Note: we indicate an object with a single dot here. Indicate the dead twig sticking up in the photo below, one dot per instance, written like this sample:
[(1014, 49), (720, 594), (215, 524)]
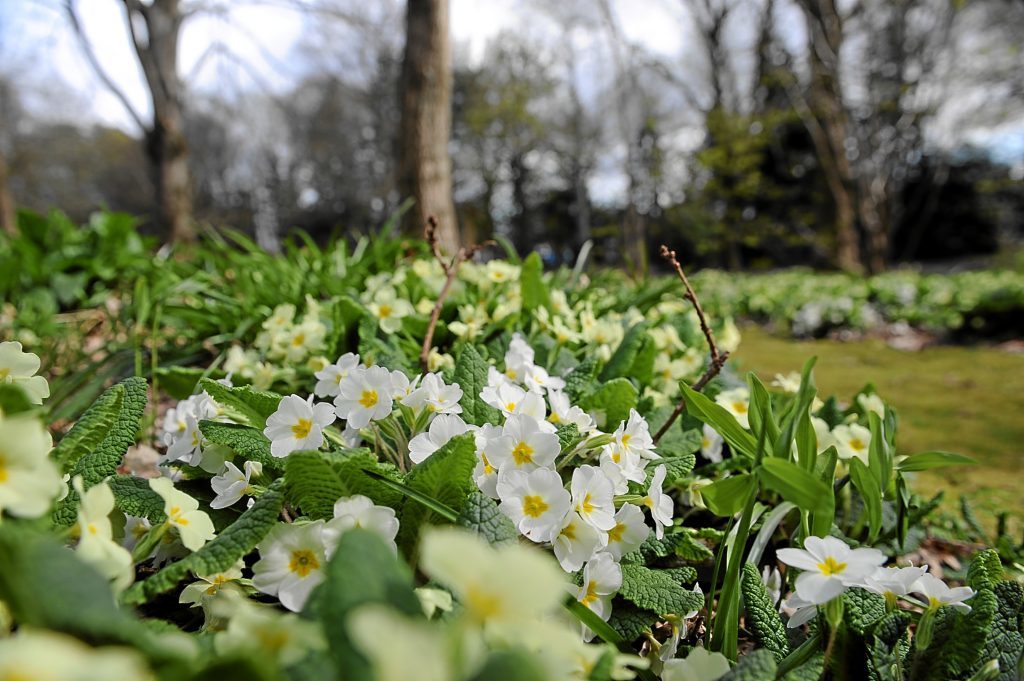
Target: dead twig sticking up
[(718, 358), (451, 270)]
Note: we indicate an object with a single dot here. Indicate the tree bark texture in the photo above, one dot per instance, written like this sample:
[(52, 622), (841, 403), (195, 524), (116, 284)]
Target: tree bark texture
[(425, 89), (8, 216)]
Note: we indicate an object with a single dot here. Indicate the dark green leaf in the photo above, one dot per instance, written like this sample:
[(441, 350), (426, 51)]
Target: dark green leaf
[(795, 484), (481, 515), (727, 496), (471, 375)]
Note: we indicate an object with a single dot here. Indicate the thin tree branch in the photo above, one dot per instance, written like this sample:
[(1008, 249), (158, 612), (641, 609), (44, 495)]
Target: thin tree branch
[(718, 357), (451, 270), (90, 56)]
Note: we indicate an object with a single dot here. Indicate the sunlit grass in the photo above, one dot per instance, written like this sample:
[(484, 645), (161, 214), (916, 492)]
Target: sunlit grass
[(962, 399)]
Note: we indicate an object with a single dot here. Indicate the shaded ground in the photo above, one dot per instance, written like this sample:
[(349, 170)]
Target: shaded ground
[(961, 399)]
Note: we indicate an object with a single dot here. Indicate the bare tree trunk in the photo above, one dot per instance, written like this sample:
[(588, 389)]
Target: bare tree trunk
[(8, 216), (827, 123), (426, 83)]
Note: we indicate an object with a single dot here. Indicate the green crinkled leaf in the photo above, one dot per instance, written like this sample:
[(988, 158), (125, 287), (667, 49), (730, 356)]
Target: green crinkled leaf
[(862, 610), (580, 380), (625, 355), (136, 498), (179, 382), (676, 467), (1003, 640), (248, 443), (758, 665), (762, 618), (888, 647), (447, 477), (567, 434), (362, 570), (471, 375), (253, 406), (631, 622), (220, 553), (963, 651), (985, 571), (682, 575), (615, 398), (316, 480), (481, 515), (808, 671), (677, 442), (531, 284), (657, 590), (14, 399), (98, 448)]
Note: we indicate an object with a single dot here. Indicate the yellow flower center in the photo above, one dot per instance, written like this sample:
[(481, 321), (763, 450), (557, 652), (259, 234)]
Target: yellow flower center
[(299, 340), (569, 531), (591, 594), (625, 440), (511, 373), (554, 418), (739, 407), (385, 311), (705, 442), (615, 534), (857, 444), (175, 515), (510, 406), (91, 527), (488, 468), (586, 507), (368, 399), (831, 567), (523, 453), (3, 470), (534, 505), (481, 604), (303, 562), (4, 373), (301, 429)]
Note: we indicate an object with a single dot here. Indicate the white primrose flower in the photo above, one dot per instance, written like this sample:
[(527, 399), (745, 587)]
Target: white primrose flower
[(329, 378), (658, 502), (283, 637), (938, 594), (830, 566), (364, 396), (699, 665), (442, 429), (680, 629), (19, 367), (822, 434), (496, 378), (772, 580), (208, 586), (486, 473), (401, 387), (893, 582), (576, 542), (787, 383), (297, 424), (510, 587), (523, 445), (437, 360), (134, 530), (800, 611), (536, 501), (29, 480), (96, 544), (389, 309), (518, 358), (737, 403), (711, 444), (40, 655), (351, 436), (564, 413), (629, 531), (291, 564), (538, 380), (301, 340), (359, 511), (505, 397), (232, 484), (437, 396), (602, 578), (871, 403), (592, 497), (424, 654), (621, 467), (188, 447), (634, 437), (194, 527), (852, 440)]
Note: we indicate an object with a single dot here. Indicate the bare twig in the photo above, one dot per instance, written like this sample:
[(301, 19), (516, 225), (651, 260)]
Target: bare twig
[(451, 270), (718, 358)]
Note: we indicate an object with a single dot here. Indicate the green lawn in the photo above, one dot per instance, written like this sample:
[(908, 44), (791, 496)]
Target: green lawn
[(962, 399)]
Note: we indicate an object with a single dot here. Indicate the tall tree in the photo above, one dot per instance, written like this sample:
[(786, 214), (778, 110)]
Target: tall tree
[(154, 29), (424, 165)]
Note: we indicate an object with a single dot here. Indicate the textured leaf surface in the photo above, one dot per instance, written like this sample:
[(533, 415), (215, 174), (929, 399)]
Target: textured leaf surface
[(657, 590), (580, 380), (315, 480), (98, 449), (246, 442), (471, 375), (254, 406), (135, 497), (1004, 640), (630, 621), (862, 610), (985, 571), (762, 617), (481, 515), (447, 477), (615, 398), (758, 665), (219, 554), (362, 570)]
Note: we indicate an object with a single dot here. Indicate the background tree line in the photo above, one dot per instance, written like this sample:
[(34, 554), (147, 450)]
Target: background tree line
[(787, 131)]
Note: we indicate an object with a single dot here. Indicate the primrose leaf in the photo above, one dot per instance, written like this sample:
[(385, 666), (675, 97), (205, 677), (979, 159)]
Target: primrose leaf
[(316, 480), (481, 515), (615, 398), (657, 590), (248, 443), (253, 406), (135, 497), (626, 354), (762, 618), (471, 375), (446, 476), (531, 283)]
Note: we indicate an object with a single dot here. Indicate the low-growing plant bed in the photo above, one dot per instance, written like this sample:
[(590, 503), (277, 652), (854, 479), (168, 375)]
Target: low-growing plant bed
[(438, 469)]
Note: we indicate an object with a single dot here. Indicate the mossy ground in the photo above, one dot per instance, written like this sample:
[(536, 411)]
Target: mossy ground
[(968, 400)]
